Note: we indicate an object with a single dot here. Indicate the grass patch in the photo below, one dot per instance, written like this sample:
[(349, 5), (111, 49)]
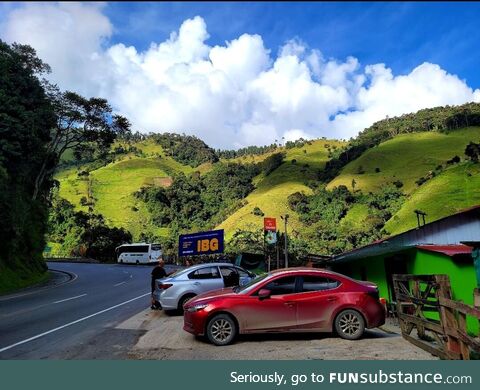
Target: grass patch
[(406, 158), (453, 190), (11, 281)]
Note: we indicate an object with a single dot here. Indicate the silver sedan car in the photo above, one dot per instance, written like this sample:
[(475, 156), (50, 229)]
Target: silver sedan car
[(174, 290)]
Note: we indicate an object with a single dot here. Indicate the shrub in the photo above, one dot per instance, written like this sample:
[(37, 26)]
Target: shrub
[(258, 211), (453, 160), (398, 184)]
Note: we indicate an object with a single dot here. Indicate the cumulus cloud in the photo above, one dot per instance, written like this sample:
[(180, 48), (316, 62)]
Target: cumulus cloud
[(230, 95)]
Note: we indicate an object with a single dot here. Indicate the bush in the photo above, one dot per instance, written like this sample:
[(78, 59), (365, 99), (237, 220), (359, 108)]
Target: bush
[(453, 160), (257, 211), (377, 170), (420, 181)]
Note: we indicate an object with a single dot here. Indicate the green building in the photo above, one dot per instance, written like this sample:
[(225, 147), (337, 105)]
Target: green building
[(434, 248)]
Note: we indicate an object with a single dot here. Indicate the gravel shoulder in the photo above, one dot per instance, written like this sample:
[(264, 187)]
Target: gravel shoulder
[(163, 338)]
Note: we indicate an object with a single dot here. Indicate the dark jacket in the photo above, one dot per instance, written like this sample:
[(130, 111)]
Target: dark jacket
[(157, 273)]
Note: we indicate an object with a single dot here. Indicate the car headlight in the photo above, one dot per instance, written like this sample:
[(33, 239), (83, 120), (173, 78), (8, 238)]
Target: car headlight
[(197, 307)]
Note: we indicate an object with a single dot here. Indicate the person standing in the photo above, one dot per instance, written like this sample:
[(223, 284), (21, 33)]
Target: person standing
[(157, 273)]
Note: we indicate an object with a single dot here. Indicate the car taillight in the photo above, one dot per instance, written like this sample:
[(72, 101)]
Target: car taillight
[(164, 286)]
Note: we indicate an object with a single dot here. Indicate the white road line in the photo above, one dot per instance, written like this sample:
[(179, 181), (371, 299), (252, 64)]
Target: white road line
[(68, 299), (118, 284), (71, 323)]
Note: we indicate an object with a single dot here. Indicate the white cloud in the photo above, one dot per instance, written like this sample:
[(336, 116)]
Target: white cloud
[(68, 36), (230, 95)]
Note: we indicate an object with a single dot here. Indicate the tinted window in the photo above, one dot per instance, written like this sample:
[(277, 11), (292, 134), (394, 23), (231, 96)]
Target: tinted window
[(242, 273), (156, 247), (205, 273), (318, 283), (282, 286), (227, 271)]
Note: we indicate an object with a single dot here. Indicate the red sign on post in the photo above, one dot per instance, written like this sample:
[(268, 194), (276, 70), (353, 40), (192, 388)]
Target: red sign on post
[(270, 224)]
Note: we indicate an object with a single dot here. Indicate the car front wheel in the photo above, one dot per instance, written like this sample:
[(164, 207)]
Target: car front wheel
[(350, 325), (183, 301), (221, 329)]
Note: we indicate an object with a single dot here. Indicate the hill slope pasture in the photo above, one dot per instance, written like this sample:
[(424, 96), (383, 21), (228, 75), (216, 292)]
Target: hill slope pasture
[(406, 158), (454, 189), (300, 166), (109, 190)]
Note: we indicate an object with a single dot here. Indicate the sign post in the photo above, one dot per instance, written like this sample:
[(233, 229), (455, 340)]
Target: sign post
[(270, 234)]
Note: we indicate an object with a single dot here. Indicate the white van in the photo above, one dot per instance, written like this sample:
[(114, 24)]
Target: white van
[(138, 253)]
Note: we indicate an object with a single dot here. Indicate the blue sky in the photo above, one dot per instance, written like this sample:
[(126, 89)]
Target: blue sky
[(400, 34), (244, 73)]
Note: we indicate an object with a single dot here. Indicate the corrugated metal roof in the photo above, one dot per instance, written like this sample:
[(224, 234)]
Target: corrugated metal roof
[(449, 250)]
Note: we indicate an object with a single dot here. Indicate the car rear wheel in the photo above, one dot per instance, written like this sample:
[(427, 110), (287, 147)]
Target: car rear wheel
[(221, 329), (350, 325), (184, 300)]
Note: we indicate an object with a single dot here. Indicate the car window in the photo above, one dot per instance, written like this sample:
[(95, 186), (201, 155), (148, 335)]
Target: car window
[(281, 286), (227, 271), (205, 273), (318, 283), (243, 273)]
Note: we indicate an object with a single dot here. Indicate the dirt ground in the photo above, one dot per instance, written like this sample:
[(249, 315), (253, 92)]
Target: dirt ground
[(164, 338)]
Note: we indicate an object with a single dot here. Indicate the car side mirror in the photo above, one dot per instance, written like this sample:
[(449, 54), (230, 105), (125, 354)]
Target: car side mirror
[(264, 294)]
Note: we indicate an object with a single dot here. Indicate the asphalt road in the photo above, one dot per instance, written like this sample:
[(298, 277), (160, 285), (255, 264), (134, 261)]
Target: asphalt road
[(75, 320)]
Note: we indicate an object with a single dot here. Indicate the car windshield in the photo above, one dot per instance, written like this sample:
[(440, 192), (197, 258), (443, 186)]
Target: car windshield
[(250, 285)]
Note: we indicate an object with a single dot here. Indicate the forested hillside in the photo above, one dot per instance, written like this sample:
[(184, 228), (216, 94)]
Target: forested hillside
[(339, 195)]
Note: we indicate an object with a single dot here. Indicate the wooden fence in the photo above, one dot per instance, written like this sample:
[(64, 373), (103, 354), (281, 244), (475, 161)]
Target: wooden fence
[(424, 303)]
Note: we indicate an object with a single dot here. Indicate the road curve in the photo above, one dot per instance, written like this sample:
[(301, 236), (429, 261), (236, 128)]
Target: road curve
[(67, 320)]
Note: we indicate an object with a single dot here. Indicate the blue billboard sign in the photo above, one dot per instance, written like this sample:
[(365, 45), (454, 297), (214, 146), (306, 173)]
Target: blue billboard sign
[(203, 243)]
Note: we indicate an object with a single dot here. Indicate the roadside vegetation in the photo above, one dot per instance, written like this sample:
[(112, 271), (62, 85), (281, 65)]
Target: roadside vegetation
[(38, 124)]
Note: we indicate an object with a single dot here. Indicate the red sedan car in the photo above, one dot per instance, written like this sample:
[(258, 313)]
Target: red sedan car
[(289, 300)]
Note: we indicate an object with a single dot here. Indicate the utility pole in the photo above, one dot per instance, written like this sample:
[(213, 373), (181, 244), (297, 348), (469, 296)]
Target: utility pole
[(285, 219)]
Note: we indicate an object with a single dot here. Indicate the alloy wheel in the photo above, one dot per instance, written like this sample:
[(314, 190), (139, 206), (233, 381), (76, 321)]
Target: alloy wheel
[(349, 324), (221, 330)]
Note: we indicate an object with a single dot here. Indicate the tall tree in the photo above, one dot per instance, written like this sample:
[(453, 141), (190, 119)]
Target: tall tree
[(81, 124), (26, 117)]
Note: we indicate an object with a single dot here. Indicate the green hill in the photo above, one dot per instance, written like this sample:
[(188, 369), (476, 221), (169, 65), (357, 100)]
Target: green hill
[(406, 158), (301, 165), (403, 159), (451, 191), (109, 190)]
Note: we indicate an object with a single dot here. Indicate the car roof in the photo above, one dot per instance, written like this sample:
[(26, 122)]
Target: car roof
[(212, 265), (307, 269)]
